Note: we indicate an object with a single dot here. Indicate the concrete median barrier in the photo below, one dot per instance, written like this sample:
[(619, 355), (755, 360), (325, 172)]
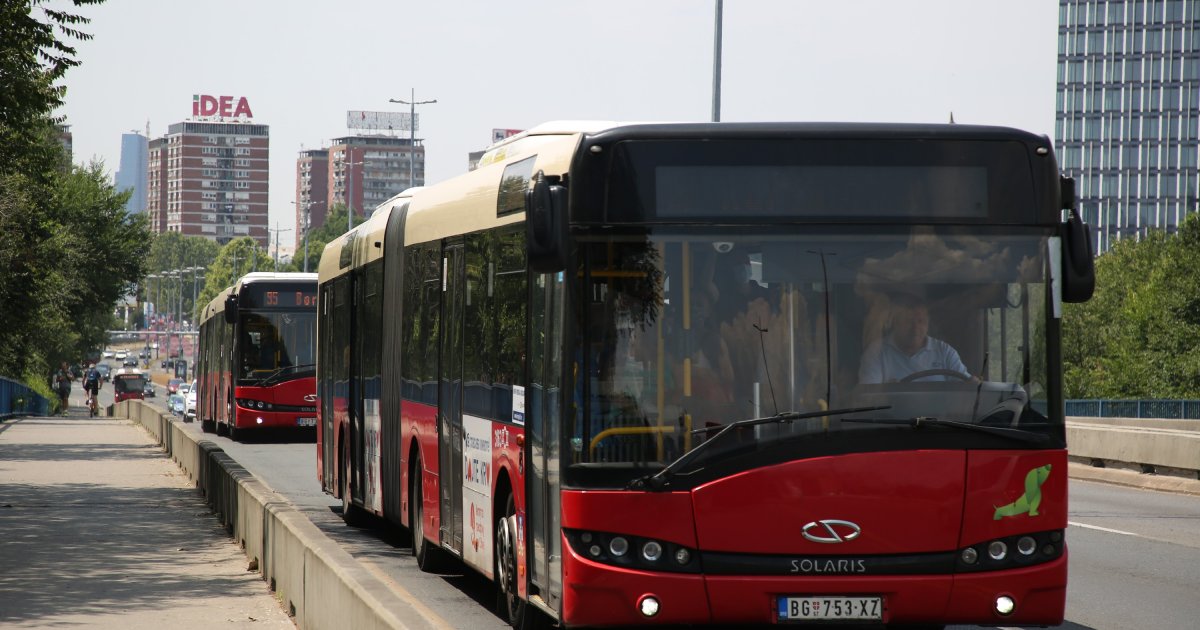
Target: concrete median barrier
[(318, 582), (1151, 445)]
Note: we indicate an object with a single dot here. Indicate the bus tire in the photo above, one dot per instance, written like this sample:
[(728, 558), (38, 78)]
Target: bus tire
[(430, 559), (222, 428), (353, 515)]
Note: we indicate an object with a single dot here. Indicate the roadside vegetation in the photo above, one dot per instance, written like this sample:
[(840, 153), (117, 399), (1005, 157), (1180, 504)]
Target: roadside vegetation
[(1138, 336), (68, 251)]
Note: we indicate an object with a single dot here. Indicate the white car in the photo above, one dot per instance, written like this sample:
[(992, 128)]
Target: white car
[(121, 355), (108, 354), (189, 403)]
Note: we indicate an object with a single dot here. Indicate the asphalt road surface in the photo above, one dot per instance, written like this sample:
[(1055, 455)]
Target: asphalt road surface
[(1134, 554)]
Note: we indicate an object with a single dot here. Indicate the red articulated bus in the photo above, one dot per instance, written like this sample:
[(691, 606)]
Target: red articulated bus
[(718, 373), (256, 361)]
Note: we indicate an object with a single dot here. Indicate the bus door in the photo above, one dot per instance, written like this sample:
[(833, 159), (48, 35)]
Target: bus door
[(355, 407), (544, 544), (450, 423)]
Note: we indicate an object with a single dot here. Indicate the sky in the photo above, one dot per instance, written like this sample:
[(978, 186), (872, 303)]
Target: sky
[(512, 64)]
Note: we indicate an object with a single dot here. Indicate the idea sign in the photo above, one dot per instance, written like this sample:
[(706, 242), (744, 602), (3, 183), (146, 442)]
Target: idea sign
[(222, 106)]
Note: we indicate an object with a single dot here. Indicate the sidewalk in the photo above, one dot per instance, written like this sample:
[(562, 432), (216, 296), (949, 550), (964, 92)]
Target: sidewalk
[(99, 530)]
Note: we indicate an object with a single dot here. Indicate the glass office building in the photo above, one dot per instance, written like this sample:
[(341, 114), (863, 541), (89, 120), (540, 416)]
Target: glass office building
[(1128, 110)]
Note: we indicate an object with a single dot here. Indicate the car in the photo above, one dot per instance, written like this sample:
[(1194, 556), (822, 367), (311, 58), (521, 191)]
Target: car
[(120, 356), (173, 385), (189, 403), (183, 388), (129, 362), (105, 371), (168, 364), (108, 354), (175, 404), (149, 390)]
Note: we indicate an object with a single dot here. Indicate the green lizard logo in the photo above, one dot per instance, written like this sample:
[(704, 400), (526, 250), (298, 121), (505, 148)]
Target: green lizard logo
[(1027, 503)]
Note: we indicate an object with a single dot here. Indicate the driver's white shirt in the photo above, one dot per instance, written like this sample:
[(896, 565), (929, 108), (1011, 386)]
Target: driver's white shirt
[(883, 362)]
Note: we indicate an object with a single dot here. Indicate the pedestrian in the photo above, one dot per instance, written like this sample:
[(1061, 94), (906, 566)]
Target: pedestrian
[(62, 385)]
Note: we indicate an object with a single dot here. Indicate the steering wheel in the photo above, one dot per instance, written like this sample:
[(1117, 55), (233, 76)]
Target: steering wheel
[(938, 372)]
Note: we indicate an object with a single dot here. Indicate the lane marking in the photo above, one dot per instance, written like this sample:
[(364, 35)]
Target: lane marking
[(1106, 529)]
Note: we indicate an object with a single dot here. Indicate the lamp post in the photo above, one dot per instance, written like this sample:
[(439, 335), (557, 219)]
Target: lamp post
[(716, 95), (412, 129)]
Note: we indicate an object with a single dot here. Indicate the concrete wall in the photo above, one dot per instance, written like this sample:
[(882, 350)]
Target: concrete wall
[(317, 582), (1152, 445)]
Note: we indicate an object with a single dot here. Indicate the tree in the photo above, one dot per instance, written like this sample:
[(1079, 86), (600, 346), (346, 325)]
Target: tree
[(172, 251), (236, 259), (332, 229)]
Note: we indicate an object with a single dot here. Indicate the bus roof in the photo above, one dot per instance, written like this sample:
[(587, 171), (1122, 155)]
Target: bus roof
[(463, 204)]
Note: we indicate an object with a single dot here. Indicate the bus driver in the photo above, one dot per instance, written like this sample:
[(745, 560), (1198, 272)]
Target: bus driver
[(908, 348)]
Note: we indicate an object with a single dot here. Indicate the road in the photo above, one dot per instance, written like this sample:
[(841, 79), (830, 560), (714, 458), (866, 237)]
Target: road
[(1134, 554)]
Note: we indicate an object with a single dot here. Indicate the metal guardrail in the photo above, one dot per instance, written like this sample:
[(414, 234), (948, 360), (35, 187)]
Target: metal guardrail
[(1171, 409), (17, 399)]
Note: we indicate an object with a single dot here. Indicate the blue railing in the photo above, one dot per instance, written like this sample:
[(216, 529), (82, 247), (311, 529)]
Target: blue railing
[(17, 399), (1149, 408)]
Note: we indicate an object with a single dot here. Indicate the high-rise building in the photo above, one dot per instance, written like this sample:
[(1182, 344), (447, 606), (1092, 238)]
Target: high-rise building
[(156, 184), (213, 180), (133, 171), (1128, 112), (360, 172), (312, 191), (67, 141)]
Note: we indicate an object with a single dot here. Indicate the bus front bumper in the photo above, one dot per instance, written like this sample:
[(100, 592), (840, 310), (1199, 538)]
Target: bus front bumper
[(603, 595)]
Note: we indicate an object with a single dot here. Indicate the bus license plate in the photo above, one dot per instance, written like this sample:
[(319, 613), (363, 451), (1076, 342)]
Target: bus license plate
[(830, 607), (306, 422)]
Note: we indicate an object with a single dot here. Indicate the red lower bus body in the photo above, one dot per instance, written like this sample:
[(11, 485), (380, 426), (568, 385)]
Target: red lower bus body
[(287, 404), (924, 504)]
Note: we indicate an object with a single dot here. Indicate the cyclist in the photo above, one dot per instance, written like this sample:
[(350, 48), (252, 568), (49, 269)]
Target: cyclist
[(91, 385)]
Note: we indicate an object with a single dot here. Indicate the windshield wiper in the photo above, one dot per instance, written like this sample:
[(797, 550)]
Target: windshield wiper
[(661, 479), (926, 421), (268, 379)]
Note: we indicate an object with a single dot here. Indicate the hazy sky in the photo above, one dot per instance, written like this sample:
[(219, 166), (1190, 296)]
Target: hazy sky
[(516, 63)]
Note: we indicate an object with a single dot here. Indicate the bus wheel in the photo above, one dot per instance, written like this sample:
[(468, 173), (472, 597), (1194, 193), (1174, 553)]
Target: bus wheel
[(429, 558), (222, 428), (515, 610)]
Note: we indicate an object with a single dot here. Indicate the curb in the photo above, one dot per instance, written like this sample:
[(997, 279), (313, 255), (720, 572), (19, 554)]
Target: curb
[(1133, 479)]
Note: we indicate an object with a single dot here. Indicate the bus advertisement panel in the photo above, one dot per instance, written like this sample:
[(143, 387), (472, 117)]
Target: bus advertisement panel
[(718, 373), (256, 363)]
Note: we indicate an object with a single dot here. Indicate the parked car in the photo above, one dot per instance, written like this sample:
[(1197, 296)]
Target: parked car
[(189, 403), (149, 390), (173, 385), (168, 363)]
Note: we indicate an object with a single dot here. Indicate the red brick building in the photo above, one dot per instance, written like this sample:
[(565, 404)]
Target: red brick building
[(312, 190), (210, 179)]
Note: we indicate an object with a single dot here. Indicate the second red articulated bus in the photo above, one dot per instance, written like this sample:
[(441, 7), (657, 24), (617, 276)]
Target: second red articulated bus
[(256, 361), (718, 373)]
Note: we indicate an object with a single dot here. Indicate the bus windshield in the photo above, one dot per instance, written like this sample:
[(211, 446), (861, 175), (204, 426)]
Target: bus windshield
[(683, 334), (271, 342)]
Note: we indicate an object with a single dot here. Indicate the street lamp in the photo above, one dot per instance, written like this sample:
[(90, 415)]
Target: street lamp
[(305, 225), (412, 129)]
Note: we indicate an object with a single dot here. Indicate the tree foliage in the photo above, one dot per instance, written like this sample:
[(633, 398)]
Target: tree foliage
[(68, 252), (1138, 336), (332, 229), (236, 259)]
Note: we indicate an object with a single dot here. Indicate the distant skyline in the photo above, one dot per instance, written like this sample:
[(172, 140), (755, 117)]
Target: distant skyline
[(517, 64)]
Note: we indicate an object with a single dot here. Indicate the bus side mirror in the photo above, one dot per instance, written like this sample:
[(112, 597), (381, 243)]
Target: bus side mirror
[(231, 309), (546, 226), (1078, 264)]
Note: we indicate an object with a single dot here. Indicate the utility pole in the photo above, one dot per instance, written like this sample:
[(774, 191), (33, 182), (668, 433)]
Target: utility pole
[(277, 230), (412, 130), (716, 95)]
